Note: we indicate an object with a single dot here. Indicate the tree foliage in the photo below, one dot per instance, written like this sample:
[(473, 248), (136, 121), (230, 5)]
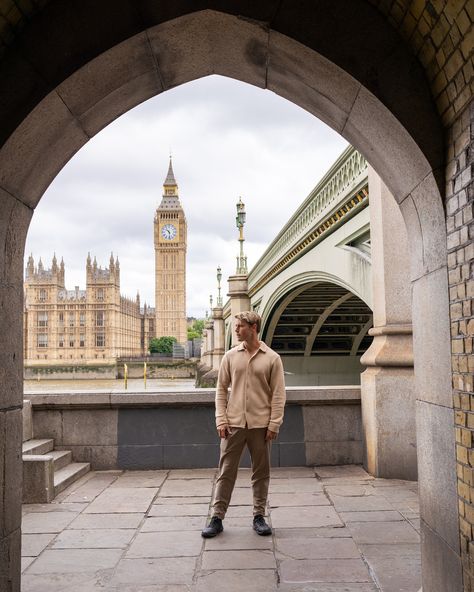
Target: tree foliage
[(162, 345), (196, 329)]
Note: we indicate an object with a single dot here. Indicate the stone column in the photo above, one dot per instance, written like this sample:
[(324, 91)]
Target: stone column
[(388, 383), (239, 298), (219, 337), (209, 343)]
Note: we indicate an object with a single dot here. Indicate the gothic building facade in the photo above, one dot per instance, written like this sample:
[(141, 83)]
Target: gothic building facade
[(98, 324)]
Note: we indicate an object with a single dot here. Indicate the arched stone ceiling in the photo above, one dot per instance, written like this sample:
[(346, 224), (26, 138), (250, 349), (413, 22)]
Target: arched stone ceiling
[(323, 319)]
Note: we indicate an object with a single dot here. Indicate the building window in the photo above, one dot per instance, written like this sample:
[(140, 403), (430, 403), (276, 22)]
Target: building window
[(42, 340), (82, 319), (61, 341), (61, 318), (100, 294), (71, 341), (82, 340), (42, 295), (71, 319), (100, 340), (100, 318), (42, 319)]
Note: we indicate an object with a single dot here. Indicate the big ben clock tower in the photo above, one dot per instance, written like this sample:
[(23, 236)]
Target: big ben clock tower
[(170, 263)]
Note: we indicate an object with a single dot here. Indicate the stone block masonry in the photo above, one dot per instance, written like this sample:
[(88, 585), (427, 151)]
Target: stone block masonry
[(177, 430)]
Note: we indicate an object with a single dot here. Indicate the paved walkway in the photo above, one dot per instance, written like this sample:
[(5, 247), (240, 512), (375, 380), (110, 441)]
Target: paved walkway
[(336, 529)]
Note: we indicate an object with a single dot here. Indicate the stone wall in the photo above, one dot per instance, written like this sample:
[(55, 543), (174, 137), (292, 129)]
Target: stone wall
[(169, 430)]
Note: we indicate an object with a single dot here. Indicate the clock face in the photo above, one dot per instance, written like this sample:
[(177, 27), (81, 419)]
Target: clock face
[(168, 231)]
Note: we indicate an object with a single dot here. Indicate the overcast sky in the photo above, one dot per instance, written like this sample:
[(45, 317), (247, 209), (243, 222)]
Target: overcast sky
[(228, 139)]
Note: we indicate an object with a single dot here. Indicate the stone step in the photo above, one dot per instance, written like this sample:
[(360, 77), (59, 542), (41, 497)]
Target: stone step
[(38, 446), (67, 475), (61, 458)]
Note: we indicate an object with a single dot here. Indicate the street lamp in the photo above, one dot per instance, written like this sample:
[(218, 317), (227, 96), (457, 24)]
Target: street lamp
[(240, 222), (219, 277)]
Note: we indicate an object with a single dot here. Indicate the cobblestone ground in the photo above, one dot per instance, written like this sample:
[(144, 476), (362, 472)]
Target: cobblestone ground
[(336, 529)]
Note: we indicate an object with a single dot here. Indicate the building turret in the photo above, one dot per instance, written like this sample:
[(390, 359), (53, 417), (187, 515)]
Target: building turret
[(54, 265), (30, 267)]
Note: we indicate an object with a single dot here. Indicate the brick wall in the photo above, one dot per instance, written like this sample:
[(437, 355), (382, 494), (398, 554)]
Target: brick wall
[(460, 225)]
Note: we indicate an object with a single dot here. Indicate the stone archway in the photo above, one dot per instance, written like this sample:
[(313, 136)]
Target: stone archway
[(76, 66)]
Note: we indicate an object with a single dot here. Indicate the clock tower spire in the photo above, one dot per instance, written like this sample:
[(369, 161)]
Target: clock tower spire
[(170, 262)]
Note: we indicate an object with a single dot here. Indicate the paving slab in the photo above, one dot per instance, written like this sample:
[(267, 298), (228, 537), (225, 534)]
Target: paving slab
[(305, 517), (241, 580), (292, 472), (276, 500), (192, 473), (107, 538), (374, 516), (89, 490), (383, 533), (238, 538), (176, 570), (57, 582), (179, 510), (202, 499), (317, 548), (46, 522), (62, 561), (345, 490), (173, 523), (165, 544), (397, 568), (122, 500), (145, 588), (186, 487), (327, 587), (93, 521), (244, 559), (295, 485), (363, 503), (326, 532), (352, 471), (25, 562), (324, 570), (53, 507), (33, 544), (140, 479)]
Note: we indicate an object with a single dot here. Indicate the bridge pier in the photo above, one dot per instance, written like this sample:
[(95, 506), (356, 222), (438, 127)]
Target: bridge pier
[(388, 383), (239, 298)]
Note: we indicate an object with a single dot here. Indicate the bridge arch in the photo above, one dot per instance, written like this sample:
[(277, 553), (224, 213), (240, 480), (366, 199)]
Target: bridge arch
[(73, 67)]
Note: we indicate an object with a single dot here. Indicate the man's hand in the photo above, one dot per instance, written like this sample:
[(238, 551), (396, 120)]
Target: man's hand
[(224, 431), (270, 435)]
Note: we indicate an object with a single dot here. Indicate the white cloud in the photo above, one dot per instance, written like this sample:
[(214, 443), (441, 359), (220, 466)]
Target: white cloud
[(228, 139)]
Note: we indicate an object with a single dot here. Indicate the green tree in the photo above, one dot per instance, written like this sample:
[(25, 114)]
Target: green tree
[(162, 345), (196, 329)]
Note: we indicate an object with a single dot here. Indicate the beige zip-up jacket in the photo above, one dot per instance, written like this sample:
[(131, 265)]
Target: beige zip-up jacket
[(257, 389)]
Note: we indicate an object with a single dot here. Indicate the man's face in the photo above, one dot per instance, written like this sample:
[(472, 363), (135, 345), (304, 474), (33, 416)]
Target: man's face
[(243, 330)]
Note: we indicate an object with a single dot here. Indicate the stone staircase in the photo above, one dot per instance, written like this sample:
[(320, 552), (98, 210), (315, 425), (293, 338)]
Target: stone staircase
[(46, 471)]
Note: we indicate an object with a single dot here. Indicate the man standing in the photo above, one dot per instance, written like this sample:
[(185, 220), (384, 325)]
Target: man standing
[(250, 414)]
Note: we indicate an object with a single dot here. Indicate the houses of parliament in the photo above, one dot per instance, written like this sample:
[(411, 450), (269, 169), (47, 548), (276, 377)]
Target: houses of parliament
[(64, 326)]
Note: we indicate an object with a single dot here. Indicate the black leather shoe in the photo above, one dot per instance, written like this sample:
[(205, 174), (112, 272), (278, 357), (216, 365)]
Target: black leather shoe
[(260, 526), (214, 528)]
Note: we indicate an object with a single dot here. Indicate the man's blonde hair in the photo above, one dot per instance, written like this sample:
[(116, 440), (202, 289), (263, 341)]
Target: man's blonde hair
[(250, 317)]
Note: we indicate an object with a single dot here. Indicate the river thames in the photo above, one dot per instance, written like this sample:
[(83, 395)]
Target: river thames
[(134, 384)]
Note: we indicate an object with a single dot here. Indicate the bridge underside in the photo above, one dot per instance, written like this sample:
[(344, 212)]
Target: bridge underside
[(320, 330)]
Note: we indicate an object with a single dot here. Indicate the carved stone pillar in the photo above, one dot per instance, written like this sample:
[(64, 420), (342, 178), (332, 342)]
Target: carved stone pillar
[(209, 343), (239, 298), (219, 337), (388, 384)]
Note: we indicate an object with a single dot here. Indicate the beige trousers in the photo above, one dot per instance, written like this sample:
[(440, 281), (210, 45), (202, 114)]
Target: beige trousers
[(231, 451)]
